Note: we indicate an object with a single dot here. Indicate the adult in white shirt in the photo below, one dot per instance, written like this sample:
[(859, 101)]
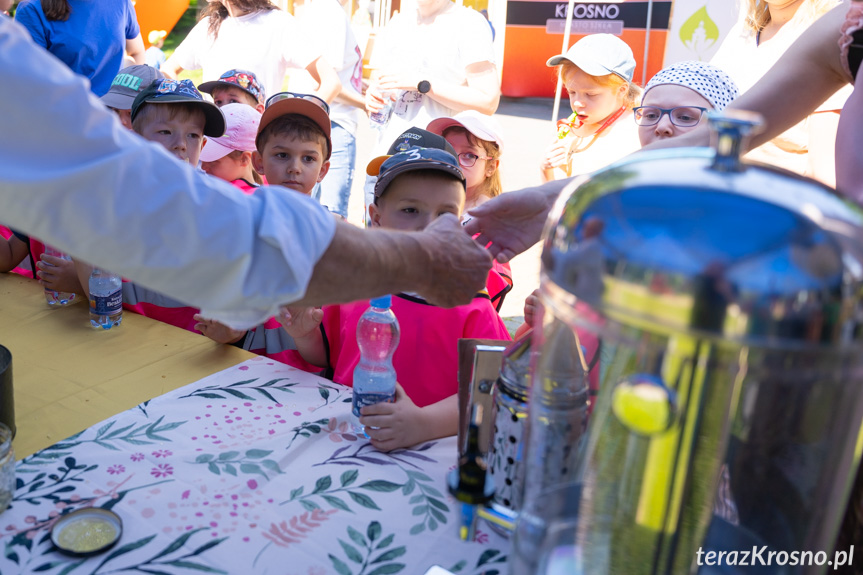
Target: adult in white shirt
[(257, 37), (440, 59), (765, 30), (329, 25), (74, 177)]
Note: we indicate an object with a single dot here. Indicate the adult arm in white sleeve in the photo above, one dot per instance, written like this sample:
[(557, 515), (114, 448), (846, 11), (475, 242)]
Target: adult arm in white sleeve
[(74, 178)]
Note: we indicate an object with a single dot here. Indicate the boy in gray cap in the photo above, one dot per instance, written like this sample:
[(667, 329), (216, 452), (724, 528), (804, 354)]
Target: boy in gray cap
[(127, 84)]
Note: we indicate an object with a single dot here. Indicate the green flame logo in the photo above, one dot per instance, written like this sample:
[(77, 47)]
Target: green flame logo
[(699, 32)]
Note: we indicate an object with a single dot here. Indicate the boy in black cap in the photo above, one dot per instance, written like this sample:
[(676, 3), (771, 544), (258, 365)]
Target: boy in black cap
[(414, 187), (175, 114), (412, 137)]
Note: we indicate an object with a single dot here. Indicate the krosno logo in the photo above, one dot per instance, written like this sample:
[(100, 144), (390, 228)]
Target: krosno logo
[(589, 11)]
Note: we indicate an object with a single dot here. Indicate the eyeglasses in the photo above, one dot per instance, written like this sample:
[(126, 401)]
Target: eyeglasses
[(289, 95), (467, 159), (680, 116)]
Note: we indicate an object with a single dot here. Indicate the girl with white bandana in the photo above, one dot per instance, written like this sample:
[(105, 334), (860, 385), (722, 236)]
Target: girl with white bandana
[(676, 99)]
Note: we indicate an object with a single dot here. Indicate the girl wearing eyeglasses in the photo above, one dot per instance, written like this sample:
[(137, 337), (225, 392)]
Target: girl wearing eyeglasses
[(478, 142), (676, 99), (597, 72)]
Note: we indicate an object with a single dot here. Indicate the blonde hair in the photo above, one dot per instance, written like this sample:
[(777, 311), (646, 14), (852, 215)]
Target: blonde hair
[(148, 113), (757, 13), (237, 155), (633, 91), (492, 185)]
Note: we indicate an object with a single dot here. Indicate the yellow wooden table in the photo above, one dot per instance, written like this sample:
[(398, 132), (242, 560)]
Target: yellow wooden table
[(68, 376)]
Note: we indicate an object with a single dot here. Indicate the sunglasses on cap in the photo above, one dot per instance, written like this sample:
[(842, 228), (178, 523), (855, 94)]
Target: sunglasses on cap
[(290, 95)]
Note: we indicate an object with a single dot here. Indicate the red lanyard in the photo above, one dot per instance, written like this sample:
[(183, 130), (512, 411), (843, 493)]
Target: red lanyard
[(608, 122)]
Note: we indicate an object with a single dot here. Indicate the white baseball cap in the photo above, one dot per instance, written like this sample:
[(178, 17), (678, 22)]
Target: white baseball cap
[(241, 128), (480, 125), (599, 55)]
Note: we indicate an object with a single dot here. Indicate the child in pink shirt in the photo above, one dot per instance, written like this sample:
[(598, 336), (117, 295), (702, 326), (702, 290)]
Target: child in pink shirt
[(174, 114), (414, 187), (229, 157), (292, 149)]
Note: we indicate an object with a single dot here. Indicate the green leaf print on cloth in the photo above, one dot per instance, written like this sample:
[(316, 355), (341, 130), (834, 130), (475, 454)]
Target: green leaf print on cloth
[(244, 390), (368, 553)]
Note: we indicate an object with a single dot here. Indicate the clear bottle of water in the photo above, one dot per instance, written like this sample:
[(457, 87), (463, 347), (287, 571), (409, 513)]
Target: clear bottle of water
[(58, 298), (374, 375), (106, 299), (379, 119)]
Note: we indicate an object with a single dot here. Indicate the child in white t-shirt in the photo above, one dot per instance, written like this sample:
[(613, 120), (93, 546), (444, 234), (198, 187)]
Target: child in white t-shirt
[(597, 72)]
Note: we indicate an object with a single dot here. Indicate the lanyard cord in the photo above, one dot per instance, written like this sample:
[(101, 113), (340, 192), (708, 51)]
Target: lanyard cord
[(608, 122)]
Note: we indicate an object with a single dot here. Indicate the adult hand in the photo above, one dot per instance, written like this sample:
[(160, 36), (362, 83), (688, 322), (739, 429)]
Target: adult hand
[(513, 221), (400, 81), (394, 425), (374, 98), (299, 322), (218, 332), (58, 274), (459, 266)]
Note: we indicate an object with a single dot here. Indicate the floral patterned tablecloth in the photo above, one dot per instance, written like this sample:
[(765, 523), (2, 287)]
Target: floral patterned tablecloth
[(252, 470)]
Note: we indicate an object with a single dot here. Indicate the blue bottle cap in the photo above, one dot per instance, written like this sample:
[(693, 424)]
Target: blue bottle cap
[(383, 302)]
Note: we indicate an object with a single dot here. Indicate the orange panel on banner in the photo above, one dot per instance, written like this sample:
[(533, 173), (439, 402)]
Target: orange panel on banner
[(534, 33), (159, 15)]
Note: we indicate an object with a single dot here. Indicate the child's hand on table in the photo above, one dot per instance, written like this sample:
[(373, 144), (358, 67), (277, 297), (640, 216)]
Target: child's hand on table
[(397, 425), (58, 274), (218, 332)]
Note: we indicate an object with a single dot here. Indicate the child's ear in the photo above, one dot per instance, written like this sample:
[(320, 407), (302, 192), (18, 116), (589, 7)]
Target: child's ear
[(375, 215), (258, 162), (491, 167), (260, 108), (325, 167), (246, 159)]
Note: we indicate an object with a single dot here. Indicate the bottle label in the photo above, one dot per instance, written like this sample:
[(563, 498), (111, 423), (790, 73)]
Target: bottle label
[(107, 304), (361, 400)]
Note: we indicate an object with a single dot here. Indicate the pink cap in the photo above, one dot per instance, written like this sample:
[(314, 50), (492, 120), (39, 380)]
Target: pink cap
[(480, 125), (242, 126)]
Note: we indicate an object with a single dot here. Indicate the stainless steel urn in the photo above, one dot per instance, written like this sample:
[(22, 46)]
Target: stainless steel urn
[(724, 300)]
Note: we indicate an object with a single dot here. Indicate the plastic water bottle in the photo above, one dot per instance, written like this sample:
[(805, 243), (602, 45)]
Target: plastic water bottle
[(58, 298), (374, 375), (106, 299), (379, 119)]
